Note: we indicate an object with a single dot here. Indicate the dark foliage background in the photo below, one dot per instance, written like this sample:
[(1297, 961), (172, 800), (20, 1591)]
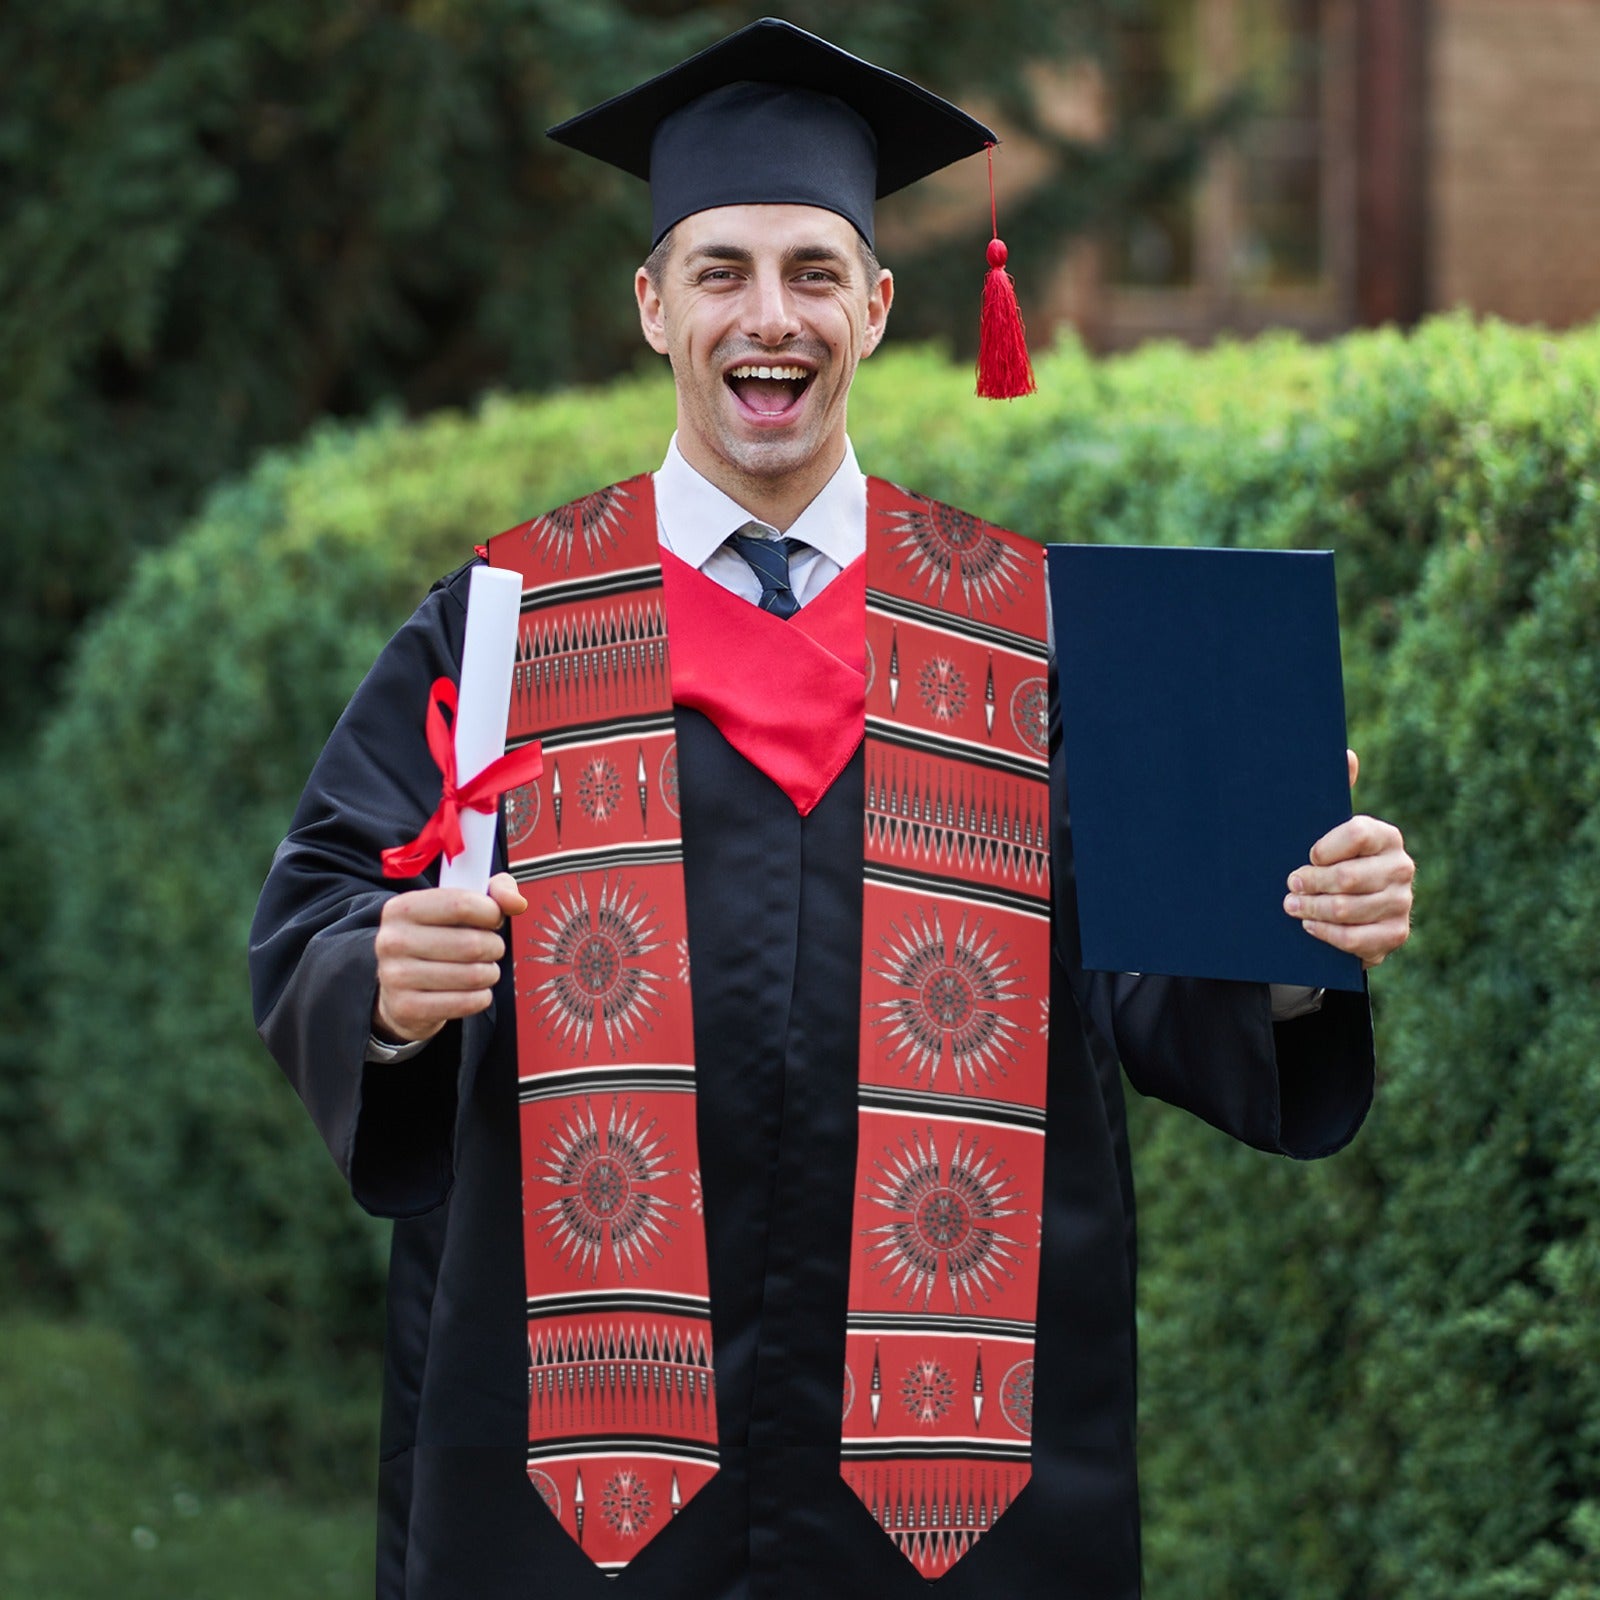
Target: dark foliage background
[(218, 224)]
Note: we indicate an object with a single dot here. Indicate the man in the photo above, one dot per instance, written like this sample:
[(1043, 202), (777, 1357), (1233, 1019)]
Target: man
[(752, 1101)]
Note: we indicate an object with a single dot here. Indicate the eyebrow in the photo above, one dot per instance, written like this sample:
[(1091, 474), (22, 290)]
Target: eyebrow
[(796, 255)]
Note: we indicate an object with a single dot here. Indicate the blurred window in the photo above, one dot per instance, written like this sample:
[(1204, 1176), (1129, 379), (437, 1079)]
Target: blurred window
[(1263, 233)]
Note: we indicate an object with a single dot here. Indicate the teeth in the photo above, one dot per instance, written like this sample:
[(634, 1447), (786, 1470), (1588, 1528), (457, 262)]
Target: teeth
[(797, 374)]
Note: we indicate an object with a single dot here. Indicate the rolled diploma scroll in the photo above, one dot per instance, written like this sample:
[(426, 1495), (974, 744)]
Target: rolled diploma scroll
[(494, 604)]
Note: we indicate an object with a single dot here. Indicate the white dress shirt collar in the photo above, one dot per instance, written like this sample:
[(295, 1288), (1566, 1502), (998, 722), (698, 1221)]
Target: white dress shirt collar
[(696, 517)]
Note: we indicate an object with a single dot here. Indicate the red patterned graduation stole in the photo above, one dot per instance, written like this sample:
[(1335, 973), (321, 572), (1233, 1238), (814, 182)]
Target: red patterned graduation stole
[(944, 1274), (944, 1268), (622, 1417)]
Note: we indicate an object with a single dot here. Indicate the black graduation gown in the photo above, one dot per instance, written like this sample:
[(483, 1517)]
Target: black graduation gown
[(775, 936)]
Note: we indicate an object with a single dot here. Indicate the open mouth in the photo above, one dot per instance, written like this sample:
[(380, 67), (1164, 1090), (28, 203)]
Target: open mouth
[(769, 391)]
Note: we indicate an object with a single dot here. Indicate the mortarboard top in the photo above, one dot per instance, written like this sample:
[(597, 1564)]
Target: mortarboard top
[(774, 115)]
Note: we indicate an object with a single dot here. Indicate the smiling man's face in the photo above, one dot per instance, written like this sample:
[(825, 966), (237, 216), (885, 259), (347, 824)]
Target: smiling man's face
[(764, 311)]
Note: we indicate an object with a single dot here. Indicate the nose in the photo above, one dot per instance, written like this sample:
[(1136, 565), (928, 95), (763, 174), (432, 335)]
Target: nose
[(771, 318)]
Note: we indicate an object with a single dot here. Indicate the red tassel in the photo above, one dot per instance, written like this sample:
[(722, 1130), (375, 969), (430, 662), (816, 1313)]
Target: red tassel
[(1004, 370)]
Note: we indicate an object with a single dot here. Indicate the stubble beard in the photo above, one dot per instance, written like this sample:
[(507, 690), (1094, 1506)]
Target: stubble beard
[(760, 459)]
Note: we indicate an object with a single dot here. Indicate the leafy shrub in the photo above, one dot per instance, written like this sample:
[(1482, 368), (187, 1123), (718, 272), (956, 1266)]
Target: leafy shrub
[(195, 1212), (1374, 1377)]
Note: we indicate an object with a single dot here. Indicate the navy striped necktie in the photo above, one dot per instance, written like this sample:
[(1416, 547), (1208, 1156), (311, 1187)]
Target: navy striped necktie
[(769, 560)]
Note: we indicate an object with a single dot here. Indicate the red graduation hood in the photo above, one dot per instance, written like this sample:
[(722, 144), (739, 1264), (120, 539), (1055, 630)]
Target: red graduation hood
[(789, 696)]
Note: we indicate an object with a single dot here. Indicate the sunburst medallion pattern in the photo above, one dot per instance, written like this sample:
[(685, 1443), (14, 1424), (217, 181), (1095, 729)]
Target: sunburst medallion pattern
[(669, 778), (522, 814), (943, 688), (939, 543), (625, 1503), (596, 950), (597, 519), (948, 1220), (599, 789), (1016, 1397), (927, 1391), (1030, 714), (606, 1178), (951, 1000), (548, 1492)]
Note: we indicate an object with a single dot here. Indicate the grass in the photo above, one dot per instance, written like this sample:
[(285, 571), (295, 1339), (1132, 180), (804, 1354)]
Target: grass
[(93, 1502)]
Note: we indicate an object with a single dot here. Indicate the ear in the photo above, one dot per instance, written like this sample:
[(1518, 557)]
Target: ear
[(879, 299), (652, 315)]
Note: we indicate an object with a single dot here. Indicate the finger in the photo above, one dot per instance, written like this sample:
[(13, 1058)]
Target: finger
[(1371, 942), (505, 893), (1354, 909), (453, 908), (431, 942), (434, 977), (1360, 836), (415, 1015), (1353, 761), (1357, 875)]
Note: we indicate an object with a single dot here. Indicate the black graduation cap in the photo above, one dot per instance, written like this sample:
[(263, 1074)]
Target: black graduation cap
[(774, 115)]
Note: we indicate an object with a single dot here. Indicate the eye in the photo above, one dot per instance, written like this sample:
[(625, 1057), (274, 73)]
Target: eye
[(718, 275)]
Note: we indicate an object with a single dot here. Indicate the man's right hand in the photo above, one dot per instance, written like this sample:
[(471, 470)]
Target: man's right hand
[(439, 953)]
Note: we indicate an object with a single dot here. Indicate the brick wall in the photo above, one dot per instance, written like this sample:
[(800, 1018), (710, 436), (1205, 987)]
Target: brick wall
[(1514, 177)]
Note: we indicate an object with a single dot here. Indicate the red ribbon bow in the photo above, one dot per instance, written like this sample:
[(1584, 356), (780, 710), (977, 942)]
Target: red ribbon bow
[(442, 831)]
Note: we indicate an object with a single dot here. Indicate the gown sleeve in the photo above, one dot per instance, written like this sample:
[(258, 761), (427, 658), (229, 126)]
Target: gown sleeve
[(1300, 1088), (313, 964)]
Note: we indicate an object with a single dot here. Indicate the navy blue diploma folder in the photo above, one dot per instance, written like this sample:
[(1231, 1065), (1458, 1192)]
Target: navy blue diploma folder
[(1202, 713)]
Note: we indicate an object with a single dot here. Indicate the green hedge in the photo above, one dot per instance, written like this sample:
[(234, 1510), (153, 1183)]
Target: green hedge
[(1374, 1377), (1378, 1377), (195, 1209)]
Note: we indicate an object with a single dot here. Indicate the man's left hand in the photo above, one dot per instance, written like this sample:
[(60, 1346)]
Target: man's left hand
[(1355, 893)]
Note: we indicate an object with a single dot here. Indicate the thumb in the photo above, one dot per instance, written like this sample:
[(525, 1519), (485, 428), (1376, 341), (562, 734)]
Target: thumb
[(504, 892), (1354, 762)]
